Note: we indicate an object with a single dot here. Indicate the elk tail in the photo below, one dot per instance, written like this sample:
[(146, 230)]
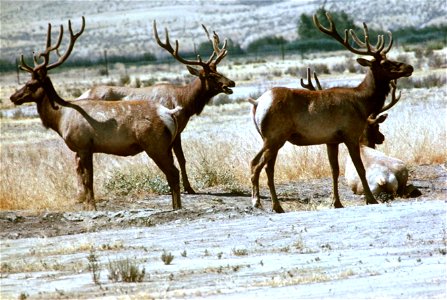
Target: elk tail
[(254, 102)]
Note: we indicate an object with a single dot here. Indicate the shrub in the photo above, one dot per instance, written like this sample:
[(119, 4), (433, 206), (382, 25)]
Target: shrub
[(136, 180), (126, 271), (167, 258)]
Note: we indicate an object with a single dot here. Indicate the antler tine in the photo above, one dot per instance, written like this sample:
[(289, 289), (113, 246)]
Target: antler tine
[(212, 43), (388, 48), (309, 85), (24, 66), (219, 53), (394, 99), (73, 38), (167, 46)]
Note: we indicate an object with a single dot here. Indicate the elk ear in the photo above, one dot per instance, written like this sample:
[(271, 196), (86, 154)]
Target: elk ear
[(364, 62), (193, 71), (382, 118)]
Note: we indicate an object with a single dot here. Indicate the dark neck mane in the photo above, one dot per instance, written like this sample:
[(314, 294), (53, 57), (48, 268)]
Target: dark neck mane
[(374, 91), (195, 96)]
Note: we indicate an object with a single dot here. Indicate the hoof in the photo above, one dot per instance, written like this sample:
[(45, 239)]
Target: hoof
[(372, 202), (189, 190), (278, 209), (89, 206), (338, 205)]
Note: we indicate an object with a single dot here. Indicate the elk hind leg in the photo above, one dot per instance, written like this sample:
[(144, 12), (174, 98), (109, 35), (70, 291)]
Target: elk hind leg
[(270, 170), (166, 165), (256, 167)]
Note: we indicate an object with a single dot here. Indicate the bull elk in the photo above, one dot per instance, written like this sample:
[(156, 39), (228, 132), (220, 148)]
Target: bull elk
[(192, 97), (384, 174), (121, 128), (332, 116)]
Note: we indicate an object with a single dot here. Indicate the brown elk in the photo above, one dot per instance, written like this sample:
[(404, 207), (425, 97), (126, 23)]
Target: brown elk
[(121, 128), (332, 116), (384, 174), (192, 97)]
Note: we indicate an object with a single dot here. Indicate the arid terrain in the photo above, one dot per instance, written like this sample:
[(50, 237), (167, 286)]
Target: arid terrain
[(225, 249), (218, 246)]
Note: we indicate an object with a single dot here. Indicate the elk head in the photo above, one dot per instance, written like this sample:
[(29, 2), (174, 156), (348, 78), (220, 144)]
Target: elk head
[(40, 85), (382, 68), (213, 81)]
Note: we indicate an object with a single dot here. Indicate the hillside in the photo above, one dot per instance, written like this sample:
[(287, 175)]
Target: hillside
[(124, 27)]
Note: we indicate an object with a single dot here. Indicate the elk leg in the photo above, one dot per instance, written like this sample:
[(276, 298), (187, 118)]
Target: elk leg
[(354, 152), (332, 151), (166, 165), (84, 171), (270, 170), (256, 167), (177, 146)]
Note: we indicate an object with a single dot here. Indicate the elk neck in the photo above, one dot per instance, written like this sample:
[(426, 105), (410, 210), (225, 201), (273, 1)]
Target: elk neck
[(195, 96), (48, 114), (373, 92)]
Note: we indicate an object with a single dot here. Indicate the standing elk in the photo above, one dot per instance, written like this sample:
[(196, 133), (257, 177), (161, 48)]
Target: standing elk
[(384, 174), (332, 116), (192, 97), (121, 128)]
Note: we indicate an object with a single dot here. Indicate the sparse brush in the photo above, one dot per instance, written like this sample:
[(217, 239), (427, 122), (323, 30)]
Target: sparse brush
[(166, 257), (94, 266), (240, 252), (126, 271)]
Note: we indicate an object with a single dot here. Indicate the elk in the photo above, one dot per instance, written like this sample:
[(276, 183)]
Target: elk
[(332, 116), (191, 97), (121, 128), (384, 174)]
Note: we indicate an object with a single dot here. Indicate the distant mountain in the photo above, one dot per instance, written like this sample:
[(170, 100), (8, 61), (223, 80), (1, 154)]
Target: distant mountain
[(125, 27)]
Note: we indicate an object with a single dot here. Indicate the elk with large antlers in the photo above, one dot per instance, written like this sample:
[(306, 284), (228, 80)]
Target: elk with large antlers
[(121, 128), (384, 174), (192, 97), (332, 116)]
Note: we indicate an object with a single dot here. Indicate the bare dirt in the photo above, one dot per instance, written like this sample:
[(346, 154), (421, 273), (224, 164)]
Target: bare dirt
[(223, 248)]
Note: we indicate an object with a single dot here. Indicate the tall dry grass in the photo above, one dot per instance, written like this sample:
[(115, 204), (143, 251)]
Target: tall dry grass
[(37, 170)]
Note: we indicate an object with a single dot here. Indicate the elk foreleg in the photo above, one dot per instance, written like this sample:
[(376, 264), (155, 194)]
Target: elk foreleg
[(332, 151), (354, 152), (166, 165), (177, 146), (84, 170), (270, 170)]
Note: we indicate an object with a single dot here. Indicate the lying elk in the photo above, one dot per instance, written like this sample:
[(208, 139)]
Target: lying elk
[(332, 116), (384, 174), (192, 97), (121, 128)]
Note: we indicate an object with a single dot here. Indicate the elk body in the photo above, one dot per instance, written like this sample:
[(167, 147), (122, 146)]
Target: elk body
[(191, 97), (120, 127), (384, 174), (331, 116)]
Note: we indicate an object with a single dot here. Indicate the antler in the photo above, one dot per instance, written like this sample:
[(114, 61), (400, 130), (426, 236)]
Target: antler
[(49, 48), (221, 53), (365, 47), (394, 99), (309, 84)]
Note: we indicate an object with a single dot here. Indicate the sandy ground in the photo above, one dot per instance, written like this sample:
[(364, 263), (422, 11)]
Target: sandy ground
[(224, 249)]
